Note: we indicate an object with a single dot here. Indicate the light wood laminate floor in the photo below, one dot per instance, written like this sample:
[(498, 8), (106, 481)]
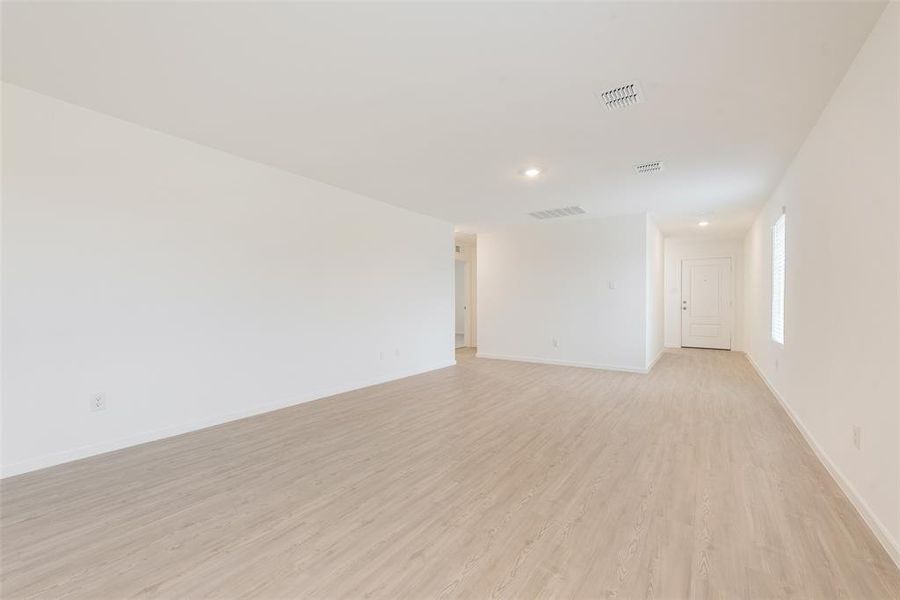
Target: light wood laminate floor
[(487, 479)]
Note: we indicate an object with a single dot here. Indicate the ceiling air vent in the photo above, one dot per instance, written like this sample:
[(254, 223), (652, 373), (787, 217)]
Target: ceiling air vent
[(650, 167), (555, 213), (624, 95)]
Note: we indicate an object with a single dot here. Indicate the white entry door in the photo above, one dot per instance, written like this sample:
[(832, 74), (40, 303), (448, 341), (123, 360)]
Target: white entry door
[(706, 303)]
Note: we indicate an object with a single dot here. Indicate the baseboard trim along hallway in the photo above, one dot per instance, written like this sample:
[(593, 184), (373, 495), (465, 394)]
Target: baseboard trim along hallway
[(890, 545), (82, 452), (563, 363)]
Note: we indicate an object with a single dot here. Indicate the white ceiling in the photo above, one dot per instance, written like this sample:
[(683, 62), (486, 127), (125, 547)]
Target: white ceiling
[(438, 107)]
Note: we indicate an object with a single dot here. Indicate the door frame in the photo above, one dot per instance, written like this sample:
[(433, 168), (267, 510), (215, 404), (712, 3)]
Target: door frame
[(730, 295)]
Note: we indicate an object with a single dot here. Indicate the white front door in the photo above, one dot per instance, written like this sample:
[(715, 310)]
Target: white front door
[(706, 303)]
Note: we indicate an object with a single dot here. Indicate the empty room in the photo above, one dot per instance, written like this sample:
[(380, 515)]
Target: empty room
[(450, 300)]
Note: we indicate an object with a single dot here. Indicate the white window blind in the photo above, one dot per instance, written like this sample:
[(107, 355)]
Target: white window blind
[(778, 280)]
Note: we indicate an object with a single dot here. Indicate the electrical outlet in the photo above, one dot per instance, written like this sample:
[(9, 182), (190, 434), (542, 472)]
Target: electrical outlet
[(857, 437), (98, 402), (776, 364), (612, 284), (397, 352), (381, 355)]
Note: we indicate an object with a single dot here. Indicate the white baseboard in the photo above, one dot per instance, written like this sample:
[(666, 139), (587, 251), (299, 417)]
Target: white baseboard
[(57, 458), (891, 546), (562, 363), (655, 360)]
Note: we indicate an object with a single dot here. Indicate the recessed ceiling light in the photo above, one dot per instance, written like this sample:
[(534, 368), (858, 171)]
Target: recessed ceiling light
[(532, 172), (703, 223)]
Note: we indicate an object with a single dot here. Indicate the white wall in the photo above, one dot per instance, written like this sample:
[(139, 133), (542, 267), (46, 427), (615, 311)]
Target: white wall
[(190, 286), (655, 285), (550, 280), (840, 365), (678, 249)]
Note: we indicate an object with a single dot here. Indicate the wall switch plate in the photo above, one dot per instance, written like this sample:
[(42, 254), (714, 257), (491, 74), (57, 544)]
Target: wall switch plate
[(98, 402), (612, 284), (857, 437), (555, 343)]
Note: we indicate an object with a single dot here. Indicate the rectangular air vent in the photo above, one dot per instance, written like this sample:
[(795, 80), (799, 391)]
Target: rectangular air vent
[(650, 167), (627, 94), (555, 213)]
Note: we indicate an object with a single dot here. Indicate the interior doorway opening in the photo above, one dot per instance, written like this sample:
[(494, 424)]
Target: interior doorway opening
[(464, 296)]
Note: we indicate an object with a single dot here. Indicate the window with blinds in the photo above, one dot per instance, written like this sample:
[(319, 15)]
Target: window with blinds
[(778, 280)]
